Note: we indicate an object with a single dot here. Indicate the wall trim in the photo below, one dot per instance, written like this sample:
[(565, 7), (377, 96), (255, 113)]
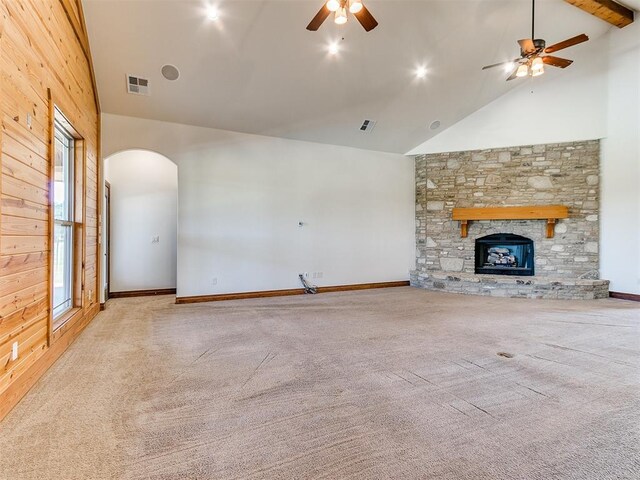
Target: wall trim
[(286, 292), (634, 297), (143, 293)]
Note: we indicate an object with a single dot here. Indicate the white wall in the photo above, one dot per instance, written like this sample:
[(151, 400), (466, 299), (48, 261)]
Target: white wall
[(620, 187), (144, 195), (598, 97), (241, 198)]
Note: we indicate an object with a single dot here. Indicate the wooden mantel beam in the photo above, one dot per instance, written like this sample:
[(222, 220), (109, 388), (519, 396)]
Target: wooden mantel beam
[(550, 213), (607, 10)]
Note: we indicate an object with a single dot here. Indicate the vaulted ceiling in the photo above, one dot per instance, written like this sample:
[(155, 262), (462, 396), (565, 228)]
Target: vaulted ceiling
[(257, 70)]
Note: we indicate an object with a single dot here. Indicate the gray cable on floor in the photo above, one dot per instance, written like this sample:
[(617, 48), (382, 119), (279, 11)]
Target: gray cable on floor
[(307, 288)]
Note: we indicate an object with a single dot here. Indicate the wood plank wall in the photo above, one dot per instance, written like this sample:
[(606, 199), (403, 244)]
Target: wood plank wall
[(44, 53)]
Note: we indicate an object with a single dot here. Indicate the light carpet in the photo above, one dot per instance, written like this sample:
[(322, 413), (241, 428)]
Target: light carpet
[(398, 383)]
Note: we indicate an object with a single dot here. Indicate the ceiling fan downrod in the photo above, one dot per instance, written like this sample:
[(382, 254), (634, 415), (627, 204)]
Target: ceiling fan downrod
[(533, 19)]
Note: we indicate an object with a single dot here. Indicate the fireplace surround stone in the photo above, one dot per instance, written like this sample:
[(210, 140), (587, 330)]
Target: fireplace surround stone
[(553, 174), (513, 286)]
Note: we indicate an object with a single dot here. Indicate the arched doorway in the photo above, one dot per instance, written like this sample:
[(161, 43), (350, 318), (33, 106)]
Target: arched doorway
[(140, 223)]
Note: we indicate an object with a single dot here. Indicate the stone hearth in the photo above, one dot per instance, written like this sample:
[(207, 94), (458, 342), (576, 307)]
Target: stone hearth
[(513, 286), (566, 266)]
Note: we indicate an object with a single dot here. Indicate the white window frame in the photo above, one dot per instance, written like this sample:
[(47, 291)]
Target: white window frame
[(65, 219)]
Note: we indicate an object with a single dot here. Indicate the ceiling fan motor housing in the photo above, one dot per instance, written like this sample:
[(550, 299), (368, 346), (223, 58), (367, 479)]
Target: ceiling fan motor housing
[(539, 43)]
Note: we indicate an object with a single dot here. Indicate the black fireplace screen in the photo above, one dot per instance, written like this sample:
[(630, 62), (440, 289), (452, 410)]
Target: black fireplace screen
[(504, 254)]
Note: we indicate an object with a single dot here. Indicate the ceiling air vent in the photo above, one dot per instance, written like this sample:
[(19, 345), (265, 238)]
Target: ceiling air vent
[(367, 126), (170, 72), (137, 85)]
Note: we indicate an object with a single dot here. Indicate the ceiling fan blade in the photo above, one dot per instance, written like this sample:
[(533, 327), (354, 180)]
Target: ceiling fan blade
[(500, 64), (527, 46), (320, 17), (366, 19), (557, 61), (513, 75), (570, 42)]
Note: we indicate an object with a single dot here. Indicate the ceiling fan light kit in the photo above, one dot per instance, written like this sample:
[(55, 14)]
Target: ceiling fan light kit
[(340, 8), (534, 53), (522, 70), (341, 16), (333, 5), (355, 6), (537, 67)]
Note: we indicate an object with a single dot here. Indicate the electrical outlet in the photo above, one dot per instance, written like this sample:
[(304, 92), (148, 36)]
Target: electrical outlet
[(214, 281), (14, 351), (305, 274)]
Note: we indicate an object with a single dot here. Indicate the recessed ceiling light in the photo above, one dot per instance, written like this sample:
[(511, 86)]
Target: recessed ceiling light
[(212, 12), (334, 48), (421, 71), (434, 125)]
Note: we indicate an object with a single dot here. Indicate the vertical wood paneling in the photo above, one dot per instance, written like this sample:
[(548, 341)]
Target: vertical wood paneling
[(43, 51)]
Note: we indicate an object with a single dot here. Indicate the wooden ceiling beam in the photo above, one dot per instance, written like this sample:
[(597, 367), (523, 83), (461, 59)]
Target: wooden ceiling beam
[(607, 10)]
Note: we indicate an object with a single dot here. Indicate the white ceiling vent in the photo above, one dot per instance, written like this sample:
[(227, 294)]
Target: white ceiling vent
[(367, 126), (137, 85)]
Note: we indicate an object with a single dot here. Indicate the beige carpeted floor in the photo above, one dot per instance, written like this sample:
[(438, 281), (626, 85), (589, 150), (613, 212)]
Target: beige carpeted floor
[(397, 383)]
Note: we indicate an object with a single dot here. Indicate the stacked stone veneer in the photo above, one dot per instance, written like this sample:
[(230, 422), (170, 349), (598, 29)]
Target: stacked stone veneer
[(553, 174)]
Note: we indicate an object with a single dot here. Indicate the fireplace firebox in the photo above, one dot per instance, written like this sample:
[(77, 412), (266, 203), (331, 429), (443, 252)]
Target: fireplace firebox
[(504, 254)]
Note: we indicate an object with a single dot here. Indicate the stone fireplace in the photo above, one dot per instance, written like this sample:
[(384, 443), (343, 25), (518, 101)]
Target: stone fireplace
[(524, 261)]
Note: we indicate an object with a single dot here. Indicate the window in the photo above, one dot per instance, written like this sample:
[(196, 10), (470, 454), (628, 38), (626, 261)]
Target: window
[(67, 236), (63, 212)]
